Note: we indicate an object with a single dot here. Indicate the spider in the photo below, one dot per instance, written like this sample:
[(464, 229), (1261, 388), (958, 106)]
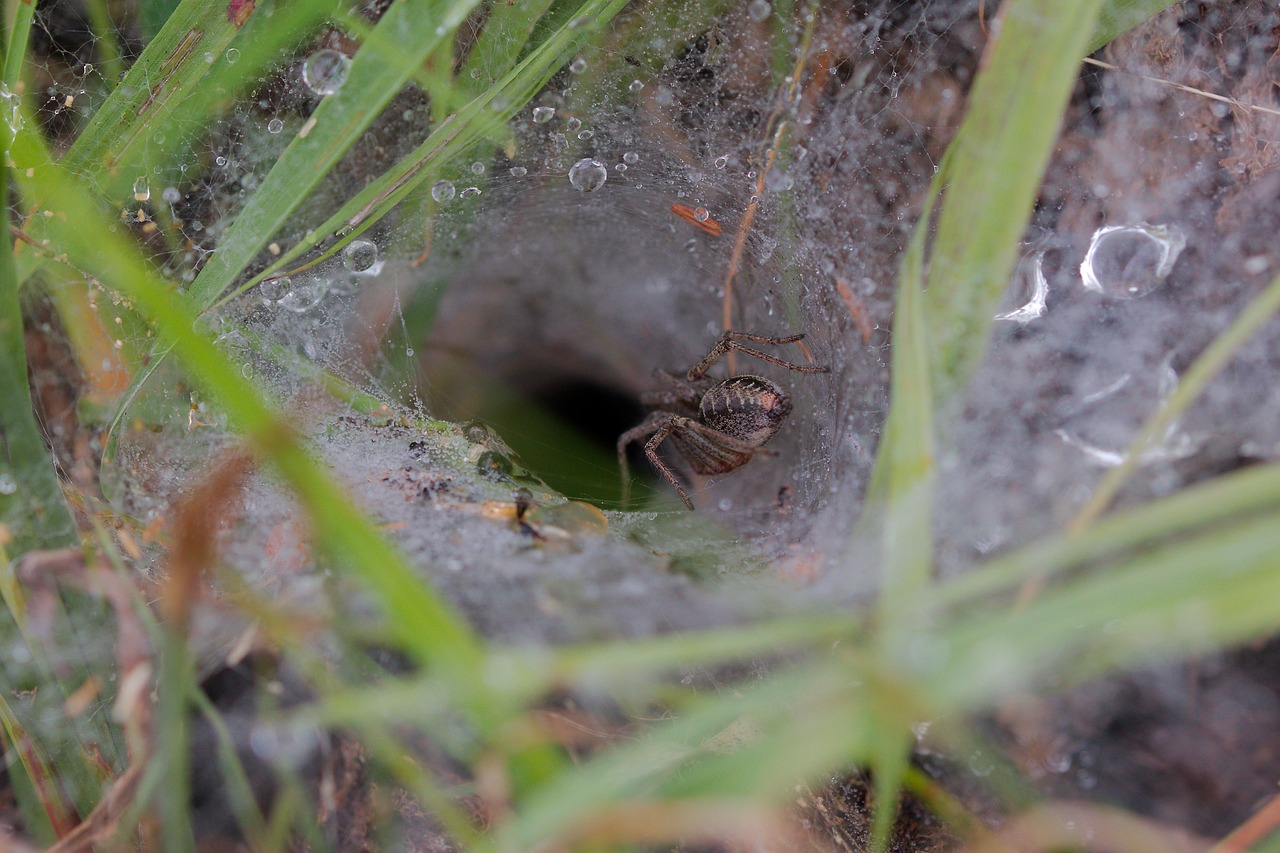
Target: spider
[(717, 426)]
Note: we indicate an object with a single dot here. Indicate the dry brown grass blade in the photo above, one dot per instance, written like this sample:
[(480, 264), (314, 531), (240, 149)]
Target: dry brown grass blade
[(1262, 823), (42, 574), (101, 824), (196, 522), (731, 824)]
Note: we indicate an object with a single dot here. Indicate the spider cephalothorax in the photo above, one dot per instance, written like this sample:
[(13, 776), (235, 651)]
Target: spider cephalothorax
[(716, 426)]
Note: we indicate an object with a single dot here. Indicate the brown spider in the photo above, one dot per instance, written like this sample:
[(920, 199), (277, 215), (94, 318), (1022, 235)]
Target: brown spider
[(716, 426)]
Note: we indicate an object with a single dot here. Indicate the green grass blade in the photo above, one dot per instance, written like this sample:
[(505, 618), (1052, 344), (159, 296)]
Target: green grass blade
[(173, 90), (996, 163), (1233, 496), (752, 745), (32, 507), (419, 619), (168, 72), (174, 684), (503, 39), (474, 122), (18, 36), (404, 37), (901, 489), (1213, 590), (1210, 363), (1119, 16)]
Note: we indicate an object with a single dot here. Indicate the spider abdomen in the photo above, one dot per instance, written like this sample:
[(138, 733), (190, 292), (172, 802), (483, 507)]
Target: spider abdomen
[(748, 408)]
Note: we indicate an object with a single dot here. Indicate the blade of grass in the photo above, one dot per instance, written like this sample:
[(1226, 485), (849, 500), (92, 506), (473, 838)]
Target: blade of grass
[(992, 172), (901, 489), (1120, 16), (1232, 496), (174, 684), (798, 724), (1212, 590), (167, 73), (31, 773), (505, 34), (995, 166), (404, 37), (32, 507), (17, 37), (418, 618), (477, 120), (1198, 376), (173, 90)]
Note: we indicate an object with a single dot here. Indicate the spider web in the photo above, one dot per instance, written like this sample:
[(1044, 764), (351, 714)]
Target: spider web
[(807, 139)]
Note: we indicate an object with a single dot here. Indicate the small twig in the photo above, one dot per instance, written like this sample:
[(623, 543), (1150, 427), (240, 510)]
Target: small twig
[(779, 127), (1213, 96)]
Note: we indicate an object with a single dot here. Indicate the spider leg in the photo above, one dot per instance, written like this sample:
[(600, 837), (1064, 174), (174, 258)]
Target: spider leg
[(653, 423), (651, 450), (732, 341)]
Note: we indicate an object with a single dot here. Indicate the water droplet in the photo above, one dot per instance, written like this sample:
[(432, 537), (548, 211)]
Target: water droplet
[(220, 160), (636, 86), (778, 180), (469, 192), (325, 71), (246, 370), (621, 167), (631, 158), (360, 255), (1030, 290), (1130, 261), (233, 55), (442, 190), (519, 171), (759, 10), (7, 484), (573, 124), (305, 296), (542, 115), (141, 189), (477, 168), (701, 214), (275, 126), (725, 504), (578, 66), (664, 97), (586, 134), (171, 195), (721, 162), (588, 175), (272, 289)]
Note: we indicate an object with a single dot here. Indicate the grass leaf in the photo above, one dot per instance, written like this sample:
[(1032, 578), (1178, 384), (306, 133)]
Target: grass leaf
[(404, 37), (32, 507), (1119, 16), (995, 165)]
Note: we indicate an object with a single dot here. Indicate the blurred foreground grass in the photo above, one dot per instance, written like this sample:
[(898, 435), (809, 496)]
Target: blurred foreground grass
[(1122, 590)]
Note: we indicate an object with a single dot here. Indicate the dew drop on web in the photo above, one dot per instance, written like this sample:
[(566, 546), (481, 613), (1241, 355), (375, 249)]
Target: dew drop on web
[(588, 175), (325, 71)]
